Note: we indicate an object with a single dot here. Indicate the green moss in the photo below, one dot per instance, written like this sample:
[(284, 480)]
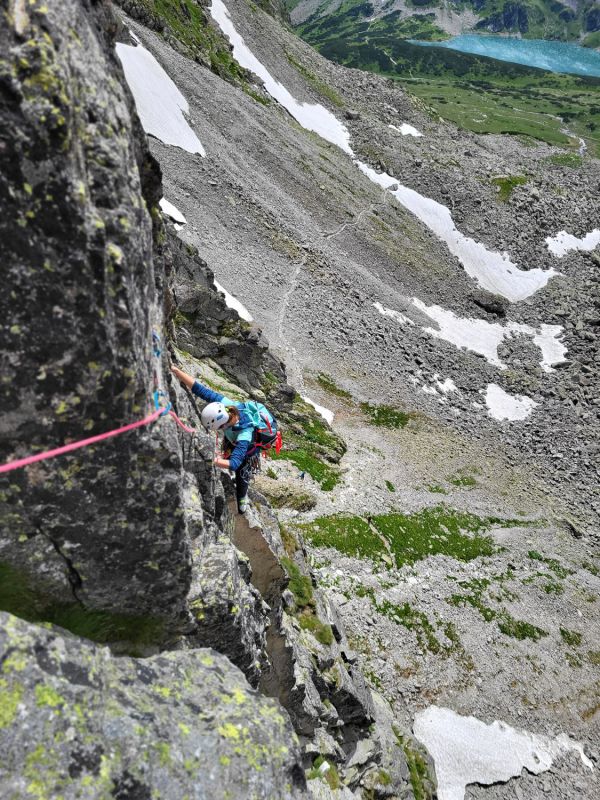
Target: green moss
[(551, 563), (25, 597), (435, 489), (519, 629), (506, 185), (573, 160), (320, 630), (433, 531), (327, 476), (326, 382), (418, 769), (350, 535), (290, 542), (594, 657), (317, 84), (385, 416), (331, 776), (413, 620), (299, 585), (572, 638)]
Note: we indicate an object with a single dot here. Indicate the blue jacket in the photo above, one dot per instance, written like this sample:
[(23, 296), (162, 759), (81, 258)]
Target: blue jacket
[(252, 416)]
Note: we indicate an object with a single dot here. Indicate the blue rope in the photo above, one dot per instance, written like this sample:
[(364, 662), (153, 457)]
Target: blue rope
[(156, 344), (157, 406)]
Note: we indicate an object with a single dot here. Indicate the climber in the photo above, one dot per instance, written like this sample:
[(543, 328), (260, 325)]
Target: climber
[(247, 427)]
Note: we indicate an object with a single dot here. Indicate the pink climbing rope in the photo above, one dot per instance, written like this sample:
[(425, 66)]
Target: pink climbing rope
[(180, 423), (68, 448)]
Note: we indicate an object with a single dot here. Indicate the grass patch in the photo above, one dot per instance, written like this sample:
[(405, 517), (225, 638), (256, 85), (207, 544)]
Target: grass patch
[(418, 769), (593, 568), (508, 625), (311, 445), (462, 479), (592, 40), (187, 21), (326, 382), (519, 629), (347, 534), (572, 638), (320, 630), (390, 486), (434, 531), (290, 543), (316, 83), (326, 476), (409, 537), (416, 621), (551, 563), (594, 657), (299, 585), (506, 185), (24, 597), (330, 776), (573, 160), (435, 489), (385, 416)]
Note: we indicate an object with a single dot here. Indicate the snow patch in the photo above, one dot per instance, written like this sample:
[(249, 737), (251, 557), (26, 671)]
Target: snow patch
[(313, 117), (172, 212), (402, 319), (233, 302), (324, 412), (563, 242), (406, 130), (493, 271), (446, 386), (159, 103), (485, 337), (466, 750), (502, 405)]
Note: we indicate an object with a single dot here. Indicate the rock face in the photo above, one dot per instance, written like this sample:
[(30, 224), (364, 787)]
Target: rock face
[(83, 294), (132, 542), (76, 720)]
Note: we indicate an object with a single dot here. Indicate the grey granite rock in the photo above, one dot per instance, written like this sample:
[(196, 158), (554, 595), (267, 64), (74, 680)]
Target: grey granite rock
[(76, 721)]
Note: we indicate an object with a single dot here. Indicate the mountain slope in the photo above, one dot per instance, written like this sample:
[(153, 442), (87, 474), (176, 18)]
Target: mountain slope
[(404, 278), (541, 19), (331, 265)]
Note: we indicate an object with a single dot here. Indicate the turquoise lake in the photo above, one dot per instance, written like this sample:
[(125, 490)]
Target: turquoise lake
[(551, 56)]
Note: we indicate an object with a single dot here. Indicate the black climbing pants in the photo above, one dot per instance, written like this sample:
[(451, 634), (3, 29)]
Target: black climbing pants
[(244, 474)]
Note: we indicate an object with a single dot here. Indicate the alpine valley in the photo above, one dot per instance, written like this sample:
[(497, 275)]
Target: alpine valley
[(396, 248)]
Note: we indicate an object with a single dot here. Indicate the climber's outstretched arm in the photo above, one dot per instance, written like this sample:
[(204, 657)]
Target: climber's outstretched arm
[(182, 376)]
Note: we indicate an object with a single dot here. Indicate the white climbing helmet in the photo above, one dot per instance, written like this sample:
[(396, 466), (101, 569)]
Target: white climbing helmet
[(214, 416)]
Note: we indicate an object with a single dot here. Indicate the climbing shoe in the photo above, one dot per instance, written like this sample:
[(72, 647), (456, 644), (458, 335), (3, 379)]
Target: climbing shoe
[(243, 504)]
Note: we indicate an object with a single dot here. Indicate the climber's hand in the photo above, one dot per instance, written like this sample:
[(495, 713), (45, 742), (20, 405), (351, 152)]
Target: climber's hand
[(223, 463)]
